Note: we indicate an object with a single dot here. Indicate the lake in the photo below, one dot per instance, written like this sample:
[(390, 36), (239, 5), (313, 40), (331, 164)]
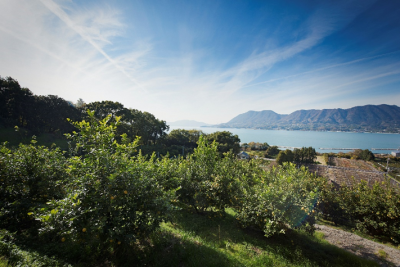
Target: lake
[(316, 140)]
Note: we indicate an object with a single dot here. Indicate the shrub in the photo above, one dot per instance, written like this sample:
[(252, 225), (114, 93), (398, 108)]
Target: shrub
[(330, 204), (30, 176), (374, 210), (113, 198), (283, 197), (209, 181)]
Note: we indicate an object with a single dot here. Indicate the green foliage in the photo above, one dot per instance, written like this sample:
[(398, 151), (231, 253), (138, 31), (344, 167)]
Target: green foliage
[(226, 141), (108, 197), (283, 197), (257, 146), (107, 108), (330, 206), (326, 158), (363, 154), (19, 257), (374, 210), (182, 137), (272, 151), (144, 124), (113, 198), (284, 156), (303, 155), (29, 176), (209, 181), (40, 114)]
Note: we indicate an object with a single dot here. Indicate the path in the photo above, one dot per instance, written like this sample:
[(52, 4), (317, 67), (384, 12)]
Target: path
[(360, 246)]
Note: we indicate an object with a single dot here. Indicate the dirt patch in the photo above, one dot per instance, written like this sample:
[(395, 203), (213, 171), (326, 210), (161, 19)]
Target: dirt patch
[(360, 246), (321, 160)]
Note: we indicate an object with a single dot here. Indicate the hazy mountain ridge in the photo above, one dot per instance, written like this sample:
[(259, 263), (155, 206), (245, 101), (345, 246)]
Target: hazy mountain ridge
[(369, 117)]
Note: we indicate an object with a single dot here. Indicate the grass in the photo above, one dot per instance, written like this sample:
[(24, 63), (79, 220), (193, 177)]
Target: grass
[(3, 262), (321, 160), (192, 239), (14, 138), (382, 254), (204, 240)]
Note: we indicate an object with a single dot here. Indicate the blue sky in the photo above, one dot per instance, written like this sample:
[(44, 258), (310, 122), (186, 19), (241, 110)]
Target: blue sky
[(205, 60)]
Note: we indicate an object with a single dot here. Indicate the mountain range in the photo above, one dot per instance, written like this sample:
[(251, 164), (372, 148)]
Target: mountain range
[(364, 118)]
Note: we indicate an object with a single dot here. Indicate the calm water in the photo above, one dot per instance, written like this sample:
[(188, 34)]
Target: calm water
[(317, 140)]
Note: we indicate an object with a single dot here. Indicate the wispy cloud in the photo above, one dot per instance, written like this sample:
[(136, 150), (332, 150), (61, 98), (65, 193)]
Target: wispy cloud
[(96, 27), (89, 51)]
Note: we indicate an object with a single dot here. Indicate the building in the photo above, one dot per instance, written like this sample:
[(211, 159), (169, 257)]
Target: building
[(243, 155), (396, 153)]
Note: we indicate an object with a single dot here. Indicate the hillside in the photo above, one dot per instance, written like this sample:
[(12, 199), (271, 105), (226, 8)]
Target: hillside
[(363, 118)]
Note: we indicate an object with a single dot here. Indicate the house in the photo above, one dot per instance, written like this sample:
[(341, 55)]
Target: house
[(396, 153), (243, 155)]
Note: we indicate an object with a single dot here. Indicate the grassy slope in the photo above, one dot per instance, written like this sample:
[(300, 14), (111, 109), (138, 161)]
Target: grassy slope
[(197, 240), (205, 240), (3, 262), (14, 138)]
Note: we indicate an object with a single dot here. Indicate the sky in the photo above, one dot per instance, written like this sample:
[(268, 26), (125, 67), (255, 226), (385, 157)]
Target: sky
[(205, 60)]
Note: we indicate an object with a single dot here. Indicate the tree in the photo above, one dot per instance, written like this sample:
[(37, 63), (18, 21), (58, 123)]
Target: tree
[(104, 108), (304, 155), (80, 103), (15, 103), (363, 154), (285, 156), (272, 151), (20, 107), (182, 137), (367, 155), (143, 124), (226, 141), (51, 113)]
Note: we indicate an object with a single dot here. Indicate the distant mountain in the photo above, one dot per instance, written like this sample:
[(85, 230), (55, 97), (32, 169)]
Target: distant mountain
[(252, 118), (188, 123), (369, 117)]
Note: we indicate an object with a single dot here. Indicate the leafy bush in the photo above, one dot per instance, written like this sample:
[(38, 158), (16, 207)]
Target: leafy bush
[(113, 198), (330, 205), (272, 151), (284, 197), (209, 181), (374, 210), (30, 176)]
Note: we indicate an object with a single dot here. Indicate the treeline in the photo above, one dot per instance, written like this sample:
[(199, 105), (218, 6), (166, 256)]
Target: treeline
[(39, 114), (181, 141), (50, 114), (302, 155)]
